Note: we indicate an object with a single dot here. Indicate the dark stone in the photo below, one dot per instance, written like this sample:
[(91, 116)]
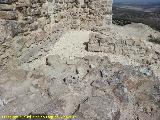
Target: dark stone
[(6, 1)]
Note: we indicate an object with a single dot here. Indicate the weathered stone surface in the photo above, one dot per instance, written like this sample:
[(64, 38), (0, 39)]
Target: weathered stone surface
[(8, 15), (4, 7), (58, 89), (81, 14), (6, 31), (106, 87), (101, 108), (133, 49), (6, 1)]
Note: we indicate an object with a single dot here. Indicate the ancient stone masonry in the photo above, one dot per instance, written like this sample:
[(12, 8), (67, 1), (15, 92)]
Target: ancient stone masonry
[(73, 13), (129, 47), (23, 13), (21, 9), (7, 9), (81, 14), (20, 18)]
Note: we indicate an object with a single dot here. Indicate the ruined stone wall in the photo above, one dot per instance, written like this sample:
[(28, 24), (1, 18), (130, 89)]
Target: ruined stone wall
[(131, 48), (21, 9), (7, 9), (74, 14), (23, 13), (28, 23), (20, 19), (81, 14)]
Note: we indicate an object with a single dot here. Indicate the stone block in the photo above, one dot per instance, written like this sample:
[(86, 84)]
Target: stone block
[(6, 7), (8, 15), (94, 48), (6, 1)]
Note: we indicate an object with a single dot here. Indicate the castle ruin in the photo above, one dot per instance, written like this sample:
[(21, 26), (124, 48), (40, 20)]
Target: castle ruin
[(73, 14), (81, 14)]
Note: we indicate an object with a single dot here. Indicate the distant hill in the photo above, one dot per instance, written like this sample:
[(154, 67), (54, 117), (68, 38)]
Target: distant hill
[(137, 1), (125, 13)]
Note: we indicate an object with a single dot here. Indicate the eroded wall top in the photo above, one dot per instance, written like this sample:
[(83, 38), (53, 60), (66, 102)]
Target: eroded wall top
[(75, 14), (81, 14)]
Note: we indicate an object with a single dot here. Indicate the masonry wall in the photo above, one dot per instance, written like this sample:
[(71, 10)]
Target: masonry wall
[(50, 19), (21, 9), (23, 14), (81, 14), (74, 14)]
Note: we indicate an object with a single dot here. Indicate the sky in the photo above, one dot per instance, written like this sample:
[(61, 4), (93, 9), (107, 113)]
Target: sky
[(145, 1)]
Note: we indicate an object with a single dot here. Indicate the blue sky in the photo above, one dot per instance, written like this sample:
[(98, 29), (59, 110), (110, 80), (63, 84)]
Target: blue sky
[(136, 1)]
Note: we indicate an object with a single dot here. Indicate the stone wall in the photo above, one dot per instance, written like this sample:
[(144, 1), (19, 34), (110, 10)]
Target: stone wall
[(28, 23), (7, 10), (75, 14), (131, 48), (21, 9), (81, 14), (24, 13), (23, 21)]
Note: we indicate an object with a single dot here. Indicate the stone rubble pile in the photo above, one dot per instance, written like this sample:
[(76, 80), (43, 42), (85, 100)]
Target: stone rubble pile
[(110, 42), (91, 88)]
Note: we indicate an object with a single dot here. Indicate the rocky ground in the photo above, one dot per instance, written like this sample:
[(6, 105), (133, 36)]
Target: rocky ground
[(44, 74)]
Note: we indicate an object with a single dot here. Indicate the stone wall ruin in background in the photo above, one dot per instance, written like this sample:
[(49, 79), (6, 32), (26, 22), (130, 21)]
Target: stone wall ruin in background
[(81, 14)]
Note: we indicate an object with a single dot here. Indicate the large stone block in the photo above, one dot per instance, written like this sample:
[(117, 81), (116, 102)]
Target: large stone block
[(8, 15), (6, 1), (5, 7)]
